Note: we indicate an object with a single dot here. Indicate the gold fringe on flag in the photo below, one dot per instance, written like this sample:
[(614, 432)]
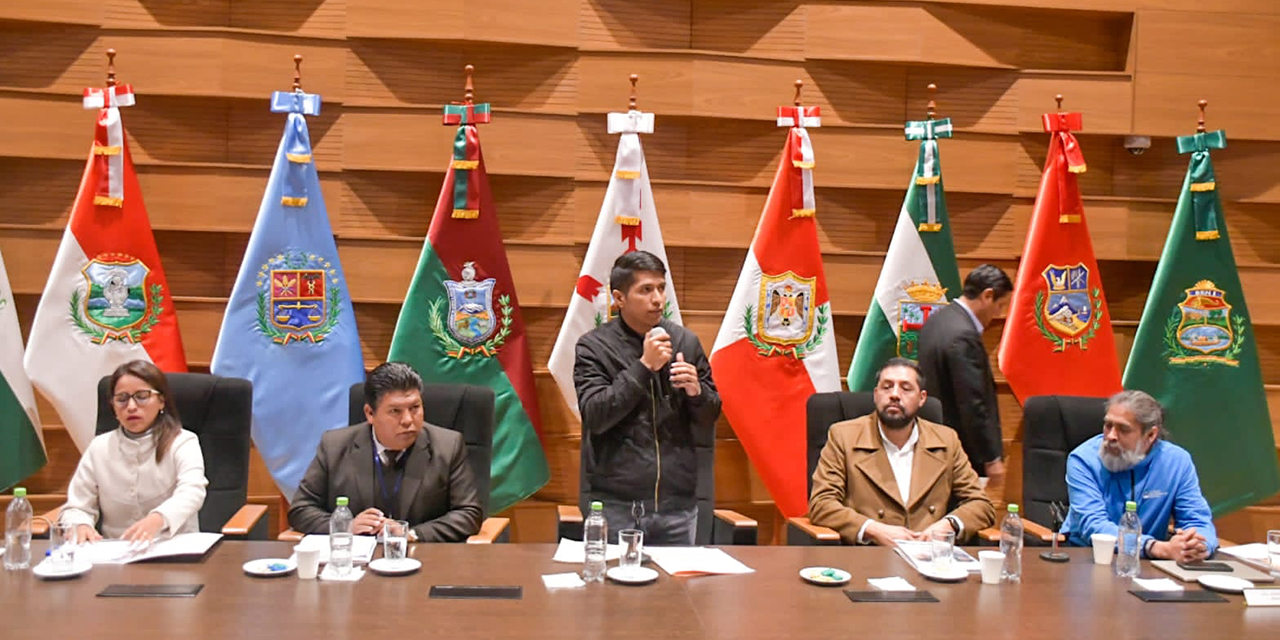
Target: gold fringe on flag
[(801, 164), (627, 221), (626, 175), (1207, 235), (1069, 218), (803, 213), (466, 214), (1078, 169), (108, 201), (298, 158), (1204, 186), (465, 164), (926, 180), (106, 151), (929, 228), (293, 202)]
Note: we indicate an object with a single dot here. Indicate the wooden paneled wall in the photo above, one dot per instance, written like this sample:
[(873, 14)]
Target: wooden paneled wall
[(712, 71)]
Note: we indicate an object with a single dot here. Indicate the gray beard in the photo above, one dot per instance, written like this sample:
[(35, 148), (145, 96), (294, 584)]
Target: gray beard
[(1125, 461)]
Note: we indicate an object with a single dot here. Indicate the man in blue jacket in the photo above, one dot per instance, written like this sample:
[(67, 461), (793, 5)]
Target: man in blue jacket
[(1131, 460)]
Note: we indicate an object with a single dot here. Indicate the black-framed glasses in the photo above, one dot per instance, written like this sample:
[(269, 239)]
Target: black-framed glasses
[(142, 396)]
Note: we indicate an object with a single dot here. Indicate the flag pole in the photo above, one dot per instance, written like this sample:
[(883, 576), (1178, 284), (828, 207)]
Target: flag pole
[(468, 90), (931, 109), (631, 103), (1200, 124), (111, 67), (297, 72)]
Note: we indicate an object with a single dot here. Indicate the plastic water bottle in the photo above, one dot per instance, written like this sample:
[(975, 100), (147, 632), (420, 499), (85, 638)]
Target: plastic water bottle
[(1011, 546), (1130, 535), (17, 532), (595, 533), (340, 538)]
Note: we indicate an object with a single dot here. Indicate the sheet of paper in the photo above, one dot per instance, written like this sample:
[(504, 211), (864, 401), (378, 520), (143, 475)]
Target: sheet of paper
[(1157, 584), (894, 583), (123, 552), (919, 551), (562, 581), (362, 547), (1262, 597), (691, 561), (575, 551), (1256, 551)]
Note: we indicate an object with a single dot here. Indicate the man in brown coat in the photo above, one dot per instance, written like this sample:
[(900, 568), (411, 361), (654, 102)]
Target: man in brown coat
[(890, 476)]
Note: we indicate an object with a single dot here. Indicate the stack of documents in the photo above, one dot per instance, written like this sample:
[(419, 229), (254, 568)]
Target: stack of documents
[(919, 553), (124, 552)]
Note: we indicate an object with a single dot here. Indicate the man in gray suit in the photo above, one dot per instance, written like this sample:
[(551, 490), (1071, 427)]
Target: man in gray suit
[(394, 466), (958, 372)]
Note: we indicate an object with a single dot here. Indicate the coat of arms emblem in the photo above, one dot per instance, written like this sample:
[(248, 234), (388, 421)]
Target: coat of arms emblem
[(299, 298), (118, 302), (789, 321), (923, 300), (471, 325), (1203, 330), (1072, 311)]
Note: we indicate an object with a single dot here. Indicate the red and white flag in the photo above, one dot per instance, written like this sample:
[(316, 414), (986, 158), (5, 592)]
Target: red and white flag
[(628, 222), (776, 346), (107, 300)]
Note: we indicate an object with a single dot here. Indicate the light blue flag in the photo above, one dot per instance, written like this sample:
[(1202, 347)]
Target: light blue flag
[(289, 326)]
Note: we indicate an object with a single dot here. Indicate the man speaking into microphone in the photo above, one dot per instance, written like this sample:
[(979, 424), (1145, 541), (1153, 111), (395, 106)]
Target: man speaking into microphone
[(646, 396)]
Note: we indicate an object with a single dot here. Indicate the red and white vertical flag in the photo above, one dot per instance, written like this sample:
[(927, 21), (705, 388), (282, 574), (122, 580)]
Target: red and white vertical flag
[(107, 300), (776, 346), (628, 222)]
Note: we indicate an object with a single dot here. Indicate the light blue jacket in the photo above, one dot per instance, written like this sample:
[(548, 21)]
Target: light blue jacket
[(1164, 485)]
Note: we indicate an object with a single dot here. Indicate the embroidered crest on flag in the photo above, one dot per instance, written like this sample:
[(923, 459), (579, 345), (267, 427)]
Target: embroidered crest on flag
[(471, 325), (789, 323), (923, 300), (299, 298), (118, 303), (1072, 312), (1202, 330)]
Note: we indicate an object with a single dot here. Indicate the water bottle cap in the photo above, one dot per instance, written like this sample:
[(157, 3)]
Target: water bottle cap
[(1130, 506), (596, 505), (1013, 507), (19, 492), (342, 501)]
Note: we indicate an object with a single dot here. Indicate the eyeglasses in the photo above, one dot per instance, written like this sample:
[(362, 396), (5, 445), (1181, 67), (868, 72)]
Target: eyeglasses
[(142, 397)]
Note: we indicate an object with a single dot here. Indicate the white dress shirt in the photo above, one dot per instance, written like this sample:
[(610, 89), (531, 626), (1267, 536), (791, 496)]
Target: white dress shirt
[(900, 460), (118, 482)]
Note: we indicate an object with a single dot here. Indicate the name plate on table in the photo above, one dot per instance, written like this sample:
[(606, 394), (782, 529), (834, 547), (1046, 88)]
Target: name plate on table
[(1177, 596), (890, 596), (150, 591), (1262, 597), (481, 592)]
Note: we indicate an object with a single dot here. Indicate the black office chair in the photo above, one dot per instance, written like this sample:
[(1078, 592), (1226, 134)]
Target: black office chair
[(1053, 426), (821, 411), (715, 526), (469, 410), (219, 411)]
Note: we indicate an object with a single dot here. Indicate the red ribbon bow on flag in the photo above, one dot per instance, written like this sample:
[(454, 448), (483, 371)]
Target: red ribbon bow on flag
[(1059, 126)]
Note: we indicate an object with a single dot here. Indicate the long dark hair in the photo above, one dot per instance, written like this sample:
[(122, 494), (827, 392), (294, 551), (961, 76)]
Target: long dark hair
[(167, 424)]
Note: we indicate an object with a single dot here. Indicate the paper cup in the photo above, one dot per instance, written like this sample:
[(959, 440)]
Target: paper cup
[(992, 562), (308, 561), (1104, 546)]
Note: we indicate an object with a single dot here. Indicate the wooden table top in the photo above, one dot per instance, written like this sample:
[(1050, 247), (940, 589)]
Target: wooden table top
[(1073, 600)]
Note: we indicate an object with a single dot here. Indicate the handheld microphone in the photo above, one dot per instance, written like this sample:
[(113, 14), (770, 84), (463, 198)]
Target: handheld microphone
[(657, 332), (663, 375)]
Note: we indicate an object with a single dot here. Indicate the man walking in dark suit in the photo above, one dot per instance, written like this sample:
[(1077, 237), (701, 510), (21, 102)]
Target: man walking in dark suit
[(957, 369), (393, 466)]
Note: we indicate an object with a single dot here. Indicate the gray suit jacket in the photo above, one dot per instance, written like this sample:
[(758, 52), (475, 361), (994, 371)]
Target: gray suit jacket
[(438, 494)]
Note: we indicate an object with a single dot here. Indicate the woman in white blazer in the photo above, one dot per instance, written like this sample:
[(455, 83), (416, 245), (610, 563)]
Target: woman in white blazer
[(144, 479)]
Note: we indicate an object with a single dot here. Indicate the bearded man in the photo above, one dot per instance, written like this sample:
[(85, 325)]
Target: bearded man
[(1132, 460)]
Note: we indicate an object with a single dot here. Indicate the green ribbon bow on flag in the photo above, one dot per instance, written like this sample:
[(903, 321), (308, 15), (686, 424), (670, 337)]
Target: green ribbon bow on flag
[(1201, 181), (928, 171)]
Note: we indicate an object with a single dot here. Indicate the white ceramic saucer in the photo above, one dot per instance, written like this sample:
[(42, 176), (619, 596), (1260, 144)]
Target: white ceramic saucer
[(632, 575), (825, 576), (955, 573), (1225, 584), (270, 567), (401, 567), (45, 570)]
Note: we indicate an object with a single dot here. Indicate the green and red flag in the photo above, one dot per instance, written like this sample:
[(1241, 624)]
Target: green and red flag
[(461, 320), (1057, 338), (1196, 351)]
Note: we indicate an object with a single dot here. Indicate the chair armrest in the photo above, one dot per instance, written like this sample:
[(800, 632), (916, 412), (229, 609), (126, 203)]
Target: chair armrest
[(491, 530), (800, 531), (990, 535), (1040, 532), (731, 527), (289, 535), (247, 521), (40, 528), (568, 522)]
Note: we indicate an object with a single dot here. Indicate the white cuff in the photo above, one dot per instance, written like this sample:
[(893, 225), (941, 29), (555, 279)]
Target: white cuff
[(862, 530)]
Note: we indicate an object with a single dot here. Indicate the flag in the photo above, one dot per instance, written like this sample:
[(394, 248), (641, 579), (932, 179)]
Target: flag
[(289, 327), (1057, 338), (107, 300), (461, 320), (1196, 351), (21, 441), (919, 270), (776, 347), (628, 222)]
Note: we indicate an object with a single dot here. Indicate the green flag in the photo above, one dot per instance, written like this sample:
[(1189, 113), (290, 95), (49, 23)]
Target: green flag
[(21, 442), (1196, 351), (919, 274), (461, 320)]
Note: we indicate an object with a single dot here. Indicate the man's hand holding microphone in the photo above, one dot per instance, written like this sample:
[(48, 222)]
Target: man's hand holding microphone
[(657, 353)]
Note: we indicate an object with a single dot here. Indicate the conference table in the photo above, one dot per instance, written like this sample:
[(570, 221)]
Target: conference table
[(1073, 600)]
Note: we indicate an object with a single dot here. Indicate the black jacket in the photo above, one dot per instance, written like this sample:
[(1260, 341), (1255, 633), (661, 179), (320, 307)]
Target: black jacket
[(957, 372), (638, 432)]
